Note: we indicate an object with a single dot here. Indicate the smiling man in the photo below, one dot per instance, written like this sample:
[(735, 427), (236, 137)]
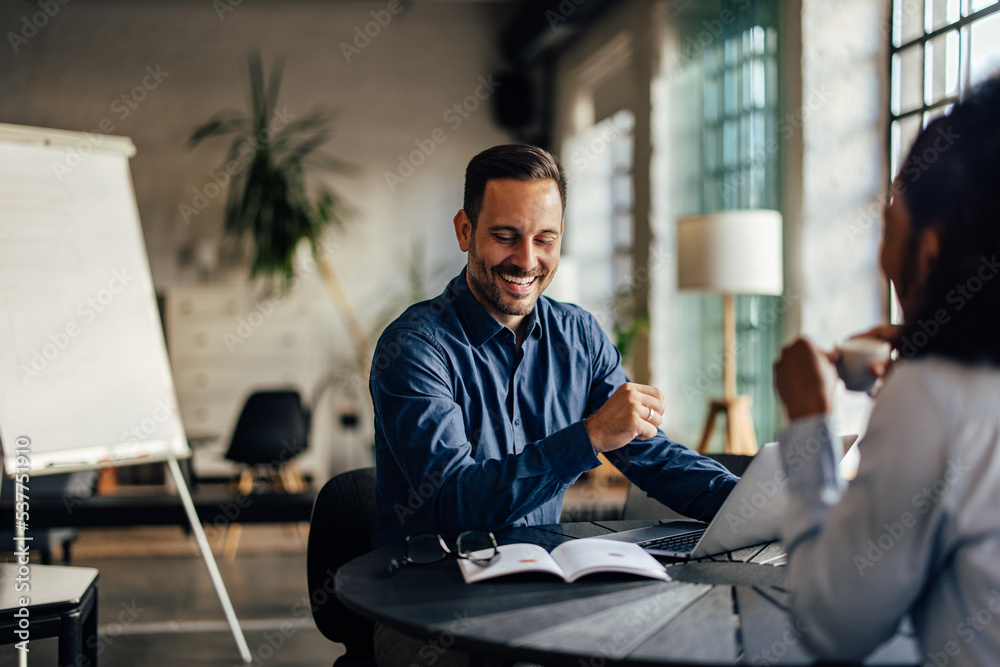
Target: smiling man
[(491, 399)]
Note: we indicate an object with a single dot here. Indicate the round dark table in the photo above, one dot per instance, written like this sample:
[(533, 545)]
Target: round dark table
[(724, 610)]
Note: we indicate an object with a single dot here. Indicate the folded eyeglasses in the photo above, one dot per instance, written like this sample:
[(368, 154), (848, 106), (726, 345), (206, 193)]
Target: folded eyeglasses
[(476, 546)]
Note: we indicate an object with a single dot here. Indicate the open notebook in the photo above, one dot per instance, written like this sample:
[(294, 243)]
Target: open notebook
[(569, 561)]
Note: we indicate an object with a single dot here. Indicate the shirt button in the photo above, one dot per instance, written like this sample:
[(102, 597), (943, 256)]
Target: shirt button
[(517, 422)]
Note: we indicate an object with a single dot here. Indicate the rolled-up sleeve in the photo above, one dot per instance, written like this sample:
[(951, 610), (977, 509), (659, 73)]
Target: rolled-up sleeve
[(675, 475), (859, 554)]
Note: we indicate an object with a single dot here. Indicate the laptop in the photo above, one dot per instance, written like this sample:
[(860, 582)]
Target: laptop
[(752, 514)]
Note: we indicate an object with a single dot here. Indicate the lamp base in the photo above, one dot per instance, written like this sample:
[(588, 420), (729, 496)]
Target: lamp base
[(740, 436)]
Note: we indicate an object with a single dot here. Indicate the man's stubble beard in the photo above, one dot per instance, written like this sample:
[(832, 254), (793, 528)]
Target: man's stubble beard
[(488, 289)]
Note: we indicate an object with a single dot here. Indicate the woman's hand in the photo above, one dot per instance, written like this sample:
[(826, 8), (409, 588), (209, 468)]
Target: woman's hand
[(890, 333), (805, 379)]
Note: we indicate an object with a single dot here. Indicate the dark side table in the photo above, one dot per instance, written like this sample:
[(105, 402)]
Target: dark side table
[(62, 603)]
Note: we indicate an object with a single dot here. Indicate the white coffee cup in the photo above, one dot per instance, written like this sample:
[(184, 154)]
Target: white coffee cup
[(856, 357)]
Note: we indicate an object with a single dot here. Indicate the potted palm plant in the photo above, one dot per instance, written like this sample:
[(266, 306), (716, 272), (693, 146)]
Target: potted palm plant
[(270, 207)]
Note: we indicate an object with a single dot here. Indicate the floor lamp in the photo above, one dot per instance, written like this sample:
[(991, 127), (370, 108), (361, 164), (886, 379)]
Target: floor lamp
[(730, 252)]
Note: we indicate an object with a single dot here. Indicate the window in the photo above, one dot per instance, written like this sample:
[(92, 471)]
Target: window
[(728, 103), (939, 49), (598, 162)]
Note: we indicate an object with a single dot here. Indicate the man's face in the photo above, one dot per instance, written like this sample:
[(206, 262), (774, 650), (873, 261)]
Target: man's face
[(514, 250)]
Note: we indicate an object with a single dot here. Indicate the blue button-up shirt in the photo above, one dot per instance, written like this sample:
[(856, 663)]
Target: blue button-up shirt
[(472, 432)]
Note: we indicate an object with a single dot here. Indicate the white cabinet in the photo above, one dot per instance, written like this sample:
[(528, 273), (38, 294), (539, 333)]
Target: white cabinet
[(226, 341)]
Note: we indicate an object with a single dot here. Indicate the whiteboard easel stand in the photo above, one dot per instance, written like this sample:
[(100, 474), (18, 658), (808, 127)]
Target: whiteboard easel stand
[(43, 138), (19, 540), (206, 552)]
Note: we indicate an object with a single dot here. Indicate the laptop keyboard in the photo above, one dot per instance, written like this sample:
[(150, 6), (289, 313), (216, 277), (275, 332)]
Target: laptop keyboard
[(680, 543)]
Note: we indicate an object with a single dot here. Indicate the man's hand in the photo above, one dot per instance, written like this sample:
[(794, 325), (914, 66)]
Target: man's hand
[(805, 380), (633, 411)]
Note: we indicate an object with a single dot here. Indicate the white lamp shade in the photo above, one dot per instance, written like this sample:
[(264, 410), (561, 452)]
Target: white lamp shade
[(735, 252)]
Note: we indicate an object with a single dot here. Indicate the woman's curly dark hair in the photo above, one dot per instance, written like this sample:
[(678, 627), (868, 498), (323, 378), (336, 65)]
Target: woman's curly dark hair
[(950, 180)]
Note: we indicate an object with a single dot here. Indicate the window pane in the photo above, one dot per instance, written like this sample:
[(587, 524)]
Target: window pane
[(757, 37), (730, 92), (908, 69), (757, 80), (711, 101), (623, 231), (942, 13), (985, 57), (622, 192), (622, 272), (942, 66), (730, 145), (902, 135), (981, 4), (908, 20), (911, 127)]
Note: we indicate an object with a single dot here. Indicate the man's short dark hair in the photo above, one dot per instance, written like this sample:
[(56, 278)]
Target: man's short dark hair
[(950, 181), (518, 162)]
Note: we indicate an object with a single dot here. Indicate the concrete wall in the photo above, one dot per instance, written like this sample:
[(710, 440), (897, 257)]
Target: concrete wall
[(838, 173), (395, 90), (154, 71)]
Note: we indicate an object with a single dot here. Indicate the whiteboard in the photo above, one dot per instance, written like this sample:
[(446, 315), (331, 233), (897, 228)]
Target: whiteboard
[(84, 376)]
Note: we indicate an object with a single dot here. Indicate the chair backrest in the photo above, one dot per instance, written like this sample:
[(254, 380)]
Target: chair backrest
[(340, 529), (272, 428), (638, 505)]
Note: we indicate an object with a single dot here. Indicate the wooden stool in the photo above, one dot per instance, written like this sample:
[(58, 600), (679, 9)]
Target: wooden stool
[(287, 479), (740, 436)]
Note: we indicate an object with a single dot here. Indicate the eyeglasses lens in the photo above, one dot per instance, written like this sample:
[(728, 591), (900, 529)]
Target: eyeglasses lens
[(425, 549), (478, 547)]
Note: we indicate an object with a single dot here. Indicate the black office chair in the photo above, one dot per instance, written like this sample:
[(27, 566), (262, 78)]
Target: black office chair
[(340, 529), (640, 506), (272, 429)]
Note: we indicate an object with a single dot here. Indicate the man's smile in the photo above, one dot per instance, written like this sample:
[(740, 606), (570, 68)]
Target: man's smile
[(518, 284)]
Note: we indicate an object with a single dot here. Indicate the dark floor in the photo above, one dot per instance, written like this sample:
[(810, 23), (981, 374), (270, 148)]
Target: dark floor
[(164, 612)]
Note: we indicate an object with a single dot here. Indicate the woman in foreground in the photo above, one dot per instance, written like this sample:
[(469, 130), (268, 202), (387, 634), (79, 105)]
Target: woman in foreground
[(918, 530)]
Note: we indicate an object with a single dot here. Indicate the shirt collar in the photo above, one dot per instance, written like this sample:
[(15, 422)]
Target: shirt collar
[(482, 326)]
